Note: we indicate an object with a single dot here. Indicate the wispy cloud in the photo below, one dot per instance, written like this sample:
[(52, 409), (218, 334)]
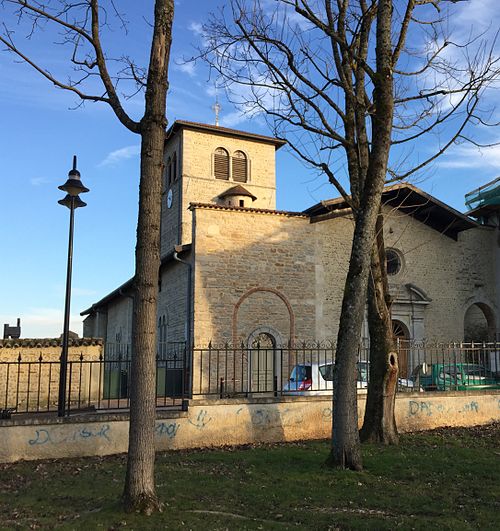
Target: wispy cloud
[(120, 155), (188, 68), (196, 28), (470, 156), (233, 119), (39, 181)]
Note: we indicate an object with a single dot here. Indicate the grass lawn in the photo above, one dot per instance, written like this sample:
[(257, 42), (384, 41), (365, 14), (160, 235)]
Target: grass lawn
[(444, 479)]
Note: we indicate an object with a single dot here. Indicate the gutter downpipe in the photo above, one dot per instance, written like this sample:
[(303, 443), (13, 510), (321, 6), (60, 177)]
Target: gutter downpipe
[(177, 250)]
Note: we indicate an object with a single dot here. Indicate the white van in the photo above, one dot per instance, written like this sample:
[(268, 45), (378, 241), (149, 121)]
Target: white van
[(317, 379)]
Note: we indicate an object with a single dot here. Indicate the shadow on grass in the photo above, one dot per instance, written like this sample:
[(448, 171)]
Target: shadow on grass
[(446, 479)]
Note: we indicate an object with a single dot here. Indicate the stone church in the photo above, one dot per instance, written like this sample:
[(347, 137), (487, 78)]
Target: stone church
[(234, 269)]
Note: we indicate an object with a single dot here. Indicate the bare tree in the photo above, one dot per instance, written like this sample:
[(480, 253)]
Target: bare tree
[(338, 80), (79, 26)]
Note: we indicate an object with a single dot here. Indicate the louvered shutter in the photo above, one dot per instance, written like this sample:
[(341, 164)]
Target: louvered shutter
[(240, 167), (221, 164)]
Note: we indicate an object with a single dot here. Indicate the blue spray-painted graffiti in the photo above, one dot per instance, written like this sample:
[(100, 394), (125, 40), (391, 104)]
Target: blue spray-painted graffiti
[(57, 436), (470, 407), (169, 430), (201, 420), (430, 408), (422, 408)]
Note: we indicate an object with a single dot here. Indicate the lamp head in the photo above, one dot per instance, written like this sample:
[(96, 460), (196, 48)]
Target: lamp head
[(77, 202), (73, 186)]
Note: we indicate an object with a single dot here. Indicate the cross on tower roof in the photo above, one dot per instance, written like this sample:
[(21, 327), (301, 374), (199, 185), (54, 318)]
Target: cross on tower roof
[(217, 107)]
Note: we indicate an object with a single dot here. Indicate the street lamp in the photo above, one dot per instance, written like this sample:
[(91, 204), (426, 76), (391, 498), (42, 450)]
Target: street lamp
[(73, 187)]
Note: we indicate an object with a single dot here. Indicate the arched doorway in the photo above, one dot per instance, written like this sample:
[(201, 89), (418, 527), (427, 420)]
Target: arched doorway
[(479, 328), (263, 362), (402, 336), (479, 323)]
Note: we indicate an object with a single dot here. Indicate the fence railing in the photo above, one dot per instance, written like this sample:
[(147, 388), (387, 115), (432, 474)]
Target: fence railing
[(31, 385), (308, 369)]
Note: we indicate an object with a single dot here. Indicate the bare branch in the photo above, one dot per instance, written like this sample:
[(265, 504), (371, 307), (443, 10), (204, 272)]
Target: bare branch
[(49, 76)]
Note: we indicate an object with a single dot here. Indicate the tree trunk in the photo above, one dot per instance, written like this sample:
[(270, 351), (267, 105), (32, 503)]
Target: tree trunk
[(140, 493), (345, 451), (379, 423)]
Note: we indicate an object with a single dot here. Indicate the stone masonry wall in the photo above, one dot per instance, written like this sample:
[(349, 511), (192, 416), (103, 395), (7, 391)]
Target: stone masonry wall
[(199, 184), (170, 217), (172, 301), (454, 274), (29, 372), (119, 323), (253, 270)]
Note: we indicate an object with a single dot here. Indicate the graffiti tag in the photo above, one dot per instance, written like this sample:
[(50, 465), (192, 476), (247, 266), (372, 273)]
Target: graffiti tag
[(167, 430), (201, 420), (51, 436)]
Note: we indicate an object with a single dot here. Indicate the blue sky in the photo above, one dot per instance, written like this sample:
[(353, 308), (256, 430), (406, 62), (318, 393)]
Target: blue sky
[(42, 127)]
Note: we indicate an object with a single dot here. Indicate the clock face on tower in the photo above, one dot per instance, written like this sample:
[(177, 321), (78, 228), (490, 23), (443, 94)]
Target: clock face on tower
[(170, 198)]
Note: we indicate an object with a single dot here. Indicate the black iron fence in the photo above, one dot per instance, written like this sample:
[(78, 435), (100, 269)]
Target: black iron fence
[(100, 383), (95, 384), (308, 369)]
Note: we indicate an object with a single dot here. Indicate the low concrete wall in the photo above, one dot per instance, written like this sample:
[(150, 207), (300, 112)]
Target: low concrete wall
[(230, 422)]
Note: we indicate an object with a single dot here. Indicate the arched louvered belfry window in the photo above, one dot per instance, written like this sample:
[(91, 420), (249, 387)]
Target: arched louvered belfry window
[(240, 167), (221, 164)]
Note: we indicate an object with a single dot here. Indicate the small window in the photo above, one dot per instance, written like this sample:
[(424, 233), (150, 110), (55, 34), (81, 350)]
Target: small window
[(242, 202), (221, 164), (240, 167), (393, 262), (169, 172), (174, 168)]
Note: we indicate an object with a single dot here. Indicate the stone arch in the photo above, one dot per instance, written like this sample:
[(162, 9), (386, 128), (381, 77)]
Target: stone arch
[(479, 321), (401, 334), (400, 330), (251, 291), (266, 331), (264, 360)]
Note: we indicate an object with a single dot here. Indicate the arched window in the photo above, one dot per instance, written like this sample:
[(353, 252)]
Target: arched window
[(240, 167), (221, 164), (174, 168), (169, 172)]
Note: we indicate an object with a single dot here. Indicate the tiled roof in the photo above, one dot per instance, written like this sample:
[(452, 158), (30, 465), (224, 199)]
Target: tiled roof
[(49, 342), (410, 200), (213, 206), (178, 124), (237, 190)]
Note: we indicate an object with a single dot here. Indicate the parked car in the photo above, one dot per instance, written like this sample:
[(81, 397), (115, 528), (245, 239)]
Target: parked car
[(455, 376), (318, 379)]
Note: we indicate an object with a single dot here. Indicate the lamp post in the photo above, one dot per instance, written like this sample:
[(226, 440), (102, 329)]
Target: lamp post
[(73, 187)]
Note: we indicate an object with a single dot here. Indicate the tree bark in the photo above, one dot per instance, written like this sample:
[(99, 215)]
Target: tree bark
[(140, 493), (379, 423), (345, 451)]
